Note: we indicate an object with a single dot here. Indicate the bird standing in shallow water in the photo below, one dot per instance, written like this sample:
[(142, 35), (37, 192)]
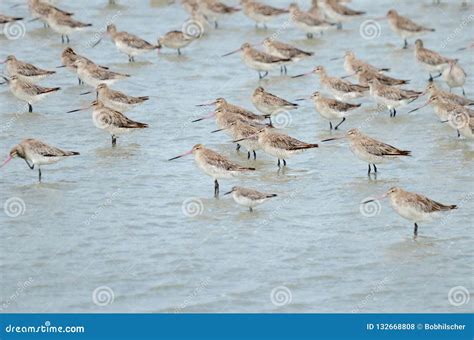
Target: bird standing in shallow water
[(249, 198), (214, 165), (413, 207), (405, 27), (35, 152), (370, 150), (25, 71)]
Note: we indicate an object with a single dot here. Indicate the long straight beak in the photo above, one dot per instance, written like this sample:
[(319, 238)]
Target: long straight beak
[(207, 104), (227, 193), (427, 103), (61, 66), (212, 114), (333, 138), (301, 99), (374, 199), (184, 154), (350, 75), (245, 138), (303, 74), (84, 93), (97, 42), (5, 78), (225, 55), (34, 19), (336, 58), (77, 110), (5, 162)]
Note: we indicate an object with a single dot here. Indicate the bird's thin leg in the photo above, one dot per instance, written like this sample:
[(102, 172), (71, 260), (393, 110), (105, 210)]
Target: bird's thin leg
[(248, 154), (30, 107), (179, 51), (67, 38), (216, 188), (29, 165), (430, 78), (254, 155), (238, 147), (405, 46), (250, 208), (415, 231), (284, 163), (309, 35), (278, 162), (330, 126), (459, 134), (375, 168), (114, 140), (463, 92), (368, 171), (259, 75), (286, 71), (79, 80), (216, 25), (39, 174), (281, 69), (394, 112), (342, 121), (62, 39)]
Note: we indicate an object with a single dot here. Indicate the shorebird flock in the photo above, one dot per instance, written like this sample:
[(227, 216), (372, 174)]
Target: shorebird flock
[(336, 98)]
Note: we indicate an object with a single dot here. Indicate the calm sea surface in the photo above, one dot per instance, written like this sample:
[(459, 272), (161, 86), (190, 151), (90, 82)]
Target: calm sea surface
[(124, 230)]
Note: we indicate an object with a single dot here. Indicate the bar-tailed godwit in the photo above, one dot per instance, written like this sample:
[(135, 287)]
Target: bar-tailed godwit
[(280, 145), (432, 89), (337, 12), (340, 88), (261, 13), (93, 75), (331, 109), (351, 64), (28, 92), (128, 43), (462, 120), (64, 24), (175, 40), (214, 164), (307, 22), (25, 71), (114, 122), (269, 104), (258, 60), (430, 60), (443, 106), (414, 207), (369, 149), (249, 198), (284, 51), (223, 104), (69, 57), (214, 9), (390, 96), (117, 100), (364, 75), (454, 76), (404, 27), (35, 152)]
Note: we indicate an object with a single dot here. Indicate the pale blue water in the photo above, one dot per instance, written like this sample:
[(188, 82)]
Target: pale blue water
[(114, 218)]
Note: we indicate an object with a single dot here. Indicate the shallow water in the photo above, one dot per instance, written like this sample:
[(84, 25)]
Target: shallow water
[(122, 217)]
